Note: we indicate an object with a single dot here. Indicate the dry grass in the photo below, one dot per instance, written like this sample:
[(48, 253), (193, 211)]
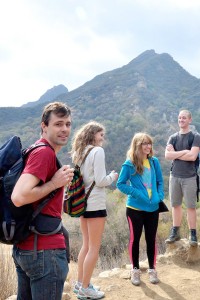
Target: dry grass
[(73, 271), (113, 252), (8, 281), (114, 246)]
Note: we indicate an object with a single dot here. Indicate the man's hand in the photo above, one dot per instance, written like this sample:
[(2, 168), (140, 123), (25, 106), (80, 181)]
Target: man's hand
[(63, 176)]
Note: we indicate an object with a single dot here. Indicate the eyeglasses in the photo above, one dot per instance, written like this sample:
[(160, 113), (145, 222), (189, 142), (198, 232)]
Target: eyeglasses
[(146, 144)]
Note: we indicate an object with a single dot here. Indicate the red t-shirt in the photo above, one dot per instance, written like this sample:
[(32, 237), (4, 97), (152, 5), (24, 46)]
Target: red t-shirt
[(41, 162)]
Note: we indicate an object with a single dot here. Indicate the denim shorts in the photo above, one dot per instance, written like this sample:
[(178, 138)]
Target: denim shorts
[(42, 278), (183, 189)]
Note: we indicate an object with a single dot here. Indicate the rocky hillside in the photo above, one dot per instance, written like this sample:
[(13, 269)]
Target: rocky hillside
[(144, 95)]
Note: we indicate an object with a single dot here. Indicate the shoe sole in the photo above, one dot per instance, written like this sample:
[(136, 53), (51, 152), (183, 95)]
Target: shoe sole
[(171, 242), (193, 244), (154, 282), (135, 284), (88, 297)]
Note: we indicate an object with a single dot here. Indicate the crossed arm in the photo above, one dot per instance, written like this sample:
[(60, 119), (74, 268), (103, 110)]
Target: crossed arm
[(188, 155)]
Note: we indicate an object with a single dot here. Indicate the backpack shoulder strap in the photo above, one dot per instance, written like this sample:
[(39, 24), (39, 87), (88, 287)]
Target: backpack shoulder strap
[(27, 150), (93, 183), (174, 139), (84, 158), (42, 204), (191, 139)]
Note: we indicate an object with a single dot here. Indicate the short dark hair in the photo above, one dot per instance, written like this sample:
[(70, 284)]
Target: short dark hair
[(58, 108)]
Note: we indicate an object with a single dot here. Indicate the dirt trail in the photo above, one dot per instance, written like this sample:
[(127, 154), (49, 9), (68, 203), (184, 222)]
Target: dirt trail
[(177, 282)]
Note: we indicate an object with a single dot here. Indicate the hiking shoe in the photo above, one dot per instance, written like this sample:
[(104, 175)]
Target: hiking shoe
[(135, 277), (153, 278), (96, 287), (193, 238), (174, 235), (89, 293), (78, 284)]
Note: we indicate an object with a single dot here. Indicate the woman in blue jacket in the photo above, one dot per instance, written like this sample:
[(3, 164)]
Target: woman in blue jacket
[(141, 180)]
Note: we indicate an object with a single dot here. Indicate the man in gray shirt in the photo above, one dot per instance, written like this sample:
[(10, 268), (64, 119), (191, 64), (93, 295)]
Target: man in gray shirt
[(183, 149)]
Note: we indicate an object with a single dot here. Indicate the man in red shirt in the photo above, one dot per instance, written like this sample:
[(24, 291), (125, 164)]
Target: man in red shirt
[(43, 278)]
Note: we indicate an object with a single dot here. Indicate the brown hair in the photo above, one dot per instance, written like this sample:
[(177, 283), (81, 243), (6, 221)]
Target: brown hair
[(134, 152), (57, 108)]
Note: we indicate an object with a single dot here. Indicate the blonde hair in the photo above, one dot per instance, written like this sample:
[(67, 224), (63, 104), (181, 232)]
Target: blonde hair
[(83, 137), (134, 152), (187, 112)]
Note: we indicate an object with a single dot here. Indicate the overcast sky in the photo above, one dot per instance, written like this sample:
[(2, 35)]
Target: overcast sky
[(44, 43)]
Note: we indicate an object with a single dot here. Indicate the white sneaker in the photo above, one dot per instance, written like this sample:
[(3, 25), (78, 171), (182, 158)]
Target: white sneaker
[(78, 285), (153, 278), (96, 287), (89, 293), (135, 276)]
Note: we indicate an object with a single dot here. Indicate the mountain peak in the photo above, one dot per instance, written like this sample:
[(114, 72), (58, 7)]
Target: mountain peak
[(148, 55), (49, 95)]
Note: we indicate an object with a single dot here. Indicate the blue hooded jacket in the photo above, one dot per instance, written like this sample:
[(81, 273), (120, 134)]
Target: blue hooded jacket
[(131, 184)]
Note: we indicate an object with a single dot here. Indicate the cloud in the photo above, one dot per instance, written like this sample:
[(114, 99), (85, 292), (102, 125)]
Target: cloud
[(49, 42)]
